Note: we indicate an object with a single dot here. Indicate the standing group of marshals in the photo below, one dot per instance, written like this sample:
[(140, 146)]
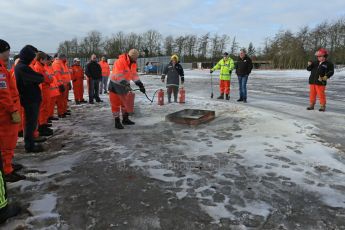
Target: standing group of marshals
[(38, 83)]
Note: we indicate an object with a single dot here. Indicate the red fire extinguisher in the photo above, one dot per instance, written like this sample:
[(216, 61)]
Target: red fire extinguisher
[(160, 97), (182, 95), (129, 102)]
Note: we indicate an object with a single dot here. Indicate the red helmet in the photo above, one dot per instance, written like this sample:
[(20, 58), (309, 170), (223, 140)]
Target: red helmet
[(321, 52)]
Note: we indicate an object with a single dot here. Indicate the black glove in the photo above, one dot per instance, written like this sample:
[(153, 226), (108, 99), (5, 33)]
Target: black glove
[(62, 88), (182, 80), (141, 86), (211, 71)]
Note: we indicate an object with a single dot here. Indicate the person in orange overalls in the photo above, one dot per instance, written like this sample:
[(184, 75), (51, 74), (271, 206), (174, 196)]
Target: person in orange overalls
[(124, 71), (21, 110), (78, 81), (39, 67), (9, 116), (61, 72), (105, 75), (54, 91)]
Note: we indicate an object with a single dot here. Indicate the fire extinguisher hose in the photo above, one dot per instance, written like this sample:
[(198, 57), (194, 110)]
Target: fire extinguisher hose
[(153, 97)]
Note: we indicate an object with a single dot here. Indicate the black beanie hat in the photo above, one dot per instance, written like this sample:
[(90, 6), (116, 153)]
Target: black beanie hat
[(27, 54), (4, 46)]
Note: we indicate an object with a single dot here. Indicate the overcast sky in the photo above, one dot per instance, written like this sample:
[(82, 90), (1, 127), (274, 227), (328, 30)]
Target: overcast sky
[(45, 23)]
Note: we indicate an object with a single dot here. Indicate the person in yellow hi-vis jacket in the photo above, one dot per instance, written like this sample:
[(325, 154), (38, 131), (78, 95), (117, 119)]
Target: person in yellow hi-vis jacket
[(226, 65)]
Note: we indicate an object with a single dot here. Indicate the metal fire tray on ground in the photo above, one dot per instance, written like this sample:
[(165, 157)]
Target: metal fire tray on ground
[(191, 116)]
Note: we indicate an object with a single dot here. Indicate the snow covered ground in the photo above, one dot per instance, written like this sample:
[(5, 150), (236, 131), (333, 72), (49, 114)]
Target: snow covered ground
[(267, 164)]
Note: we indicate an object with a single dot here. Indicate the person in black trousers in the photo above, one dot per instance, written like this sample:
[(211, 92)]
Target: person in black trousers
[(94, 73), (28, 82)]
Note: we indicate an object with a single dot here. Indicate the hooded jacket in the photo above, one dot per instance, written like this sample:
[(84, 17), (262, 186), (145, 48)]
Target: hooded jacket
[(173, 72), (28, 80), (317, 70), (123, 72)]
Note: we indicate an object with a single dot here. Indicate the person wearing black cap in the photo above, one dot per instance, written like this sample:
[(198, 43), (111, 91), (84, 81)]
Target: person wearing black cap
[(30, 95), (8, 114), (226, 65)]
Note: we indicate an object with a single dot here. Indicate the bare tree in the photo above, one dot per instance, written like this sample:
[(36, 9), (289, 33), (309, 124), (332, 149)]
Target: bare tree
[(203, 45), (179, 44), (169, 45), (152, 41), (234, 47), (251, 50)]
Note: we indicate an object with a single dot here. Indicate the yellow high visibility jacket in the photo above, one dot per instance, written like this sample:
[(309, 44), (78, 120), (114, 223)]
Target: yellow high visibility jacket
[(225, 68)]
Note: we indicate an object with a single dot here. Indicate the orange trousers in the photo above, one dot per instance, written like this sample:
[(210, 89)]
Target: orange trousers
[(8, 142), (44, 107), (224, 86), (52, 103), (78, 89), (317, 91), (118, 103), (62, 101)]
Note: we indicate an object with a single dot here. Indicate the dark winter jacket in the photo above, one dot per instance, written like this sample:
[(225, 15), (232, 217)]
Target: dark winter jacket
[(173, 74), (244, 66), (324, 69), (93, 70), (27, 79)]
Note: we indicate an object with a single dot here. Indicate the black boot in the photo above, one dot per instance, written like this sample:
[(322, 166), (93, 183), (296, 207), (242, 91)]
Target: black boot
[(8, 211), (118, 124), (221, 96), (227, 97), (311, 107), (240, 99), (17, 167), (40, 139), (244, 100), (53, 118), (35, 149), (126, 121), (322, 108), (45, 131), (14, 177)]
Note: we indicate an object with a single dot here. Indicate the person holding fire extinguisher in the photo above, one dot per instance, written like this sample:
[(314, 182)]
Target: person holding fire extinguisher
[(124, 71), (174, 72)]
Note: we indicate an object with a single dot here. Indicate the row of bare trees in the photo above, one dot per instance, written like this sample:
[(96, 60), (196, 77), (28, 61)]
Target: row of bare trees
[(152, 43), (292, 50), (286, 49)]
